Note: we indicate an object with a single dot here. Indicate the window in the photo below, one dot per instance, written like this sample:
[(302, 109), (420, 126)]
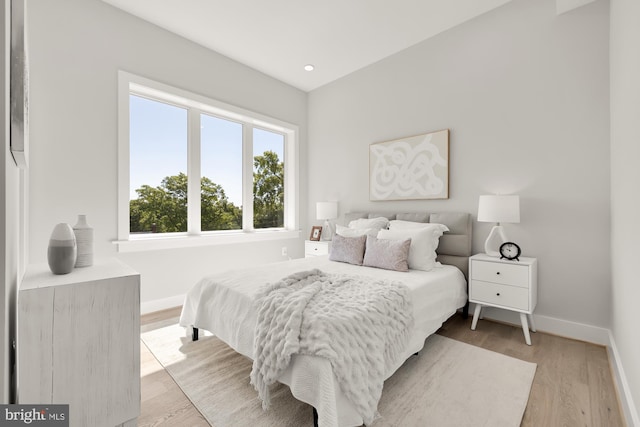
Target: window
[(268, 179), (190, 166), (157, 167), (221, 167)]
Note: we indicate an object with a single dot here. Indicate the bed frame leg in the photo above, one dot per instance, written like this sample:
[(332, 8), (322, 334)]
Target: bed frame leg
[(194, 334), (315, 417)]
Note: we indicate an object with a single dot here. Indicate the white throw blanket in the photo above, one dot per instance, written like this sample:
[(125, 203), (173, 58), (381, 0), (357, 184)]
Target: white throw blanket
[(359, 324)]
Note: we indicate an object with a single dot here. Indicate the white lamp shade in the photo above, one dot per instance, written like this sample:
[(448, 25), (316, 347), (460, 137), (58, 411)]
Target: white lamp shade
[(499, 209), (326, 210)]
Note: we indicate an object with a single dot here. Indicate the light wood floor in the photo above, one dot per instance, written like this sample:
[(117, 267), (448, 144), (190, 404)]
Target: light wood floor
[(573, 385)]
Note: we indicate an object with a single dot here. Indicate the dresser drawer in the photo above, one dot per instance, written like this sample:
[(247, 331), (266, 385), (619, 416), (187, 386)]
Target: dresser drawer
[(312, 248), (497, 294), (496, 272)]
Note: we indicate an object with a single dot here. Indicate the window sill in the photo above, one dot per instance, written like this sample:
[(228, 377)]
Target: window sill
[(140, 244)]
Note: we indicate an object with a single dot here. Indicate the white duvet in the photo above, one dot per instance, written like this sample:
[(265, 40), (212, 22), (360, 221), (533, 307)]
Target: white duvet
[(223, 305)]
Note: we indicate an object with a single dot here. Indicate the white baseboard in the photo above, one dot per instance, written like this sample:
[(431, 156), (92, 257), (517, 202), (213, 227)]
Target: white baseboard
[(626, 400), (161, 304), (563, 328)]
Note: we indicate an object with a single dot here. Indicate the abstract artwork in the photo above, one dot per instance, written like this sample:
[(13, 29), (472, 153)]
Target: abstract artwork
[(411, 168)]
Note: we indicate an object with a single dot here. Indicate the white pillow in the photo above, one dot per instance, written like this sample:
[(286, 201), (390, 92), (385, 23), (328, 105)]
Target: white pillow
[(397, 224), (343, 231), (376, 223), (424, 242)]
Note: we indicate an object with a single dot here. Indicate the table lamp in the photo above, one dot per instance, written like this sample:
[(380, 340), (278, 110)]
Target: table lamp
[(498, 209)]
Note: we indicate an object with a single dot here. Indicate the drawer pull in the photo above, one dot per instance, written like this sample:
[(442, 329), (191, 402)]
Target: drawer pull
[(498, 272), (498, 294)]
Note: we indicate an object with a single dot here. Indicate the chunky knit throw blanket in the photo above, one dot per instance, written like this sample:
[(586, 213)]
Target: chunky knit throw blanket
[(360, 325)]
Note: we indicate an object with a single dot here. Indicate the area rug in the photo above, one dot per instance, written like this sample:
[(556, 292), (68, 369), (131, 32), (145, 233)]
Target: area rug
[(448, 383)]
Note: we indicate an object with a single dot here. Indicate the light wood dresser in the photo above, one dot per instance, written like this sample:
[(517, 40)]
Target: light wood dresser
[(79, 342)]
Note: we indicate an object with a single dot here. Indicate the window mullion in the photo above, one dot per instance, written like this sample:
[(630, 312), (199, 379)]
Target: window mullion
[(193, 172), (247, 177)]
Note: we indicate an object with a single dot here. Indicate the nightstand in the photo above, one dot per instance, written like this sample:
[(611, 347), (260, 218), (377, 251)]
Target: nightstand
[(511, 285), (313, 248)]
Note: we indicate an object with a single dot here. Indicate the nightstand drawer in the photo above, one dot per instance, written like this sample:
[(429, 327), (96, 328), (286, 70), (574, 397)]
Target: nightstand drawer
[(502, 295), (312, 248), (508, 274)]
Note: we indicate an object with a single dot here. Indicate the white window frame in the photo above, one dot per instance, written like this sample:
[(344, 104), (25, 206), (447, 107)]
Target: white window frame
[(197, 104)]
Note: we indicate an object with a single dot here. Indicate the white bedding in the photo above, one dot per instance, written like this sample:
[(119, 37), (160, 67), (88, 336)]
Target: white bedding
[(223, 305)]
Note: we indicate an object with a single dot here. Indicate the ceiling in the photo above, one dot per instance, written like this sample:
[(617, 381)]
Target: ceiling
[(279, 37)]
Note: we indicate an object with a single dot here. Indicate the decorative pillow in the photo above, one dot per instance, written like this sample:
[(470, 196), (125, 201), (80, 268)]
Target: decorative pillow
[(347, 249), (404, 225), (387, 254), (354, 232), (376, 223), (424, 242)]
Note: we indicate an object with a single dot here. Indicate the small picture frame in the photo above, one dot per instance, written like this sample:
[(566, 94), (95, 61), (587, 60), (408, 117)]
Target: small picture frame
[(316, 232)]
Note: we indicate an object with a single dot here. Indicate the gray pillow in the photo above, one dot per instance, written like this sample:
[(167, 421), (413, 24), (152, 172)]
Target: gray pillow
[(347, 249), (387, 254)]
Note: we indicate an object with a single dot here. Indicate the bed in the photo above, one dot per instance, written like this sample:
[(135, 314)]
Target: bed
[(224, 305)]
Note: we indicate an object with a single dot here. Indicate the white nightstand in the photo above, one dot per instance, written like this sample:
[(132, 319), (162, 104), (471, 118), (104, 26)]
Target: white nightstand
[(512, 285), (313, 248)]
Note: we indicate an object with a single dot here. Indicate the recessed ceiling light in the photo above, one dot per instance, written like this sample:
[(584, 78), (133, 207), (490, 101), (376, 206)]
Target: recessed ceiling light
[(309, 67)]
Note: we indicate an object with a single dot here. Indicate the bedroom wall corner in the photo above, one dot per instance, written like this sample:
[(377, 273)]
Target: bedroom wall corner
[(625, 200)]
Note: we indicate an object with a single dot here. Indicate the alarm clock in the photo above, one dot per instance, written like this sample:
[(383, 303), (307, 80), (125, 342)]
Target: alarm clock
[(510, 251)]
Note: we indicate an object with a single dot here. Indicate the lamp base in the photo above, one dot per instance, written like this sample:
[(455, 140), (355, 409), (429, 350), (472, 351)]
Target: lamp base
[(327, 231), (494, 240)]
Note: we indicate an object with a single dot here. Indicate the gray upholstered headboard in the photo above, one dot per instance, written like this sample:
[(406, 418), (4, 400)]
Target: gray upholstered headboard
[(455, 245)]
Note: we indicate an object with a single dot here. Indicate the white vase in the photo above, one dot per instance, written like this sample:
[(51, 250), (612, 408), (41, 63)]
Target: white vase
[(62, 250), (84, 240)]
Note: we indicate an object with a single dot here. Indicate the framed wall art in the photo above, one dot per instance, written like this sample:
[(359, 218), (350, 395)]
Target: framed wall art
[(411, 168)]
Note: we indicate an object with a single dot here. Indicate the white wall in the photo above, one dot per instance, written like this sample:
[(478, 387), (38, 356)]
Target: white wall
[(77, 47), (625, 199), (525, 94)]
